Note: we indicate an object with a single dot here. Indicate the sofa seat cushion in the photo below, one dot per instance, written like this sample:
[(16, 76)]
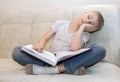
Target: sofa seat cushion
[(101, 72)]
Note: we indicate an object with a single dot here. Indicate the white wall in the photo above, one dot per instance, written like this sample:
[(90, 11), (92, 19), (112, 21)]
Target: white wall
[(35, 4)]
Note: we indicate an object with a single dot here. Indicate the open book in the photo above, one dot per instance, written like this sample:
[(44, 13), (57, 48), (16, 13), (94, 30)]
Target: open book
[(51, 58)]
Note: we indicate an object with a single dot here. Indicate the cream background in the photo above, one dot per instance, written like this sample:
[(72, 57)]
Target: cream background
[(21, 27), (24, 21), (35, 4)]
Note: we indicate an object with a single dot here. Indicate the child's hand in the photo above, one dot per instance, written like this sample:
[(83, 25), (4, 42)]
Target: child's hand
[(38, 47), (88, 27)]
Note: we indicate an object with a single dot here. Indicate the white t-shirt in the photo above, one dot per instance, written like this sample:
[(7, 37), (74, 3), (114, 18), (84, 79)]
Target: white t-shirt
[(63, 39)]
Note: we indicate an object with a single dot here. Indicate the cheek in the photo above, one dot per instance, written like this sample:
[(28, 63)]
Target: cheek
[(92, 29), (95, 23)]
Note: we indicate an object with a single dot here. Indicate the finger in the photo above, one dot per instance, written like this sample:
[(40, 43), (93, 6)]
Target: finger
[(35, 47), (41, 51)]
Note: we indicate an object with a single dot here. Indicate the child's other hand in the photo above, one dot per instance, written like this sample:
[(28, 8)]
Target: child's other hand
[(88, 27)]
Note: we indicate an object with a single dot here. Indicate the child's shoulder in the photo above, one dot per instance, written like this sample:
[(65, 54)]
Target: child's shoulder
[(62, 21)]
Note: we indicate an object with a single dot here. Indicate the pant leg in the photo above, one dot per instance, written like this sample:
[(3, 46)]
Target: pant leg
[(23, 58), (86, 59)]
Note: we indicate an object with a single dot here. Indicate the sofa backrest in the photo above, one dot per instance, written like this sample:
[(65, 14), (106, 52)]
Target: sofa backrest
[(22, 27), (108, 36)]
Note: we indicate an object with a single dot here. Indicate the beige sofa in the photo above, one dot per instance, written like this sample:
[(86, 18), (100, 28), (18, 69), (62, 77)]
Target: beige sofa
[(21, 27)]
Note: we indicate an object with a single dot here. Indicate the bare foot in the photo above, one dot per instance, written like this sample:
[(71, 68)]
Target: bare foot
[(61, 68), (80, 71), (28, 68)]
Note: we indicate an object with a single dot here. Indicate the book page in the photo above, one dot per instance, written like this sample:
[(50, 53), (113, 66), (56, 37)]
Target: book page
[(62, 55), (46, 56)]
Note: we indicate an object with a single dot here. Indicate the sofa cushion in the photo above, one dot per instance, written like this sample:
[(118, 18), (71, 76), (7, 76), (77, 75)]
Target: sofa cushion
[(37, 23), (101, 72)]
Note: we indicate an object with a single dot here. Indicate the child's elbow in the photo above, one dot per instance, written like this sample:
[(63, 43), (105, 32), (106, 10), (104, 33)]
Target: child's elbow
[(74, 48)]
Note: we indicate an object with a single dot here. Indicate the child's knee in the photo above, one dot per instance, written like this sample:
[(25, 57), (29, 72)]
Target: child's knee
[(16, 52), (99, 50)]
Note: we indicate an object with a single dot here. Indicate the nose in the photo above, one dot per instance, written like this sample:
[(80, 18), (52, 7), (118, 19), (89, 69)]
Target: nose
[(87, 21)]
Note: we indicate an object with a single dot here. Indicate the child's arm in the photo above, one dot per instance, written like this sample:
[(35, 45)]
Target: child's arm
[(40, 44), (78, 42)]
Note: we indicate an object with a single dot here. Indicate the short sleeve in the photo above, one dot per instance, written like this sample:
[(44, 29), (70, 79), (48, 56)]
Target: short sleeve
[(86, 37), (56, 26)]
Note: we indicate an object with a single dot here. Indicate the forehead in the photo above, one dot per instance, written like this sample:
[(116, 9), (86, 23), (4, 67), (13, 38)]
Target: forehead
[(94, 14)]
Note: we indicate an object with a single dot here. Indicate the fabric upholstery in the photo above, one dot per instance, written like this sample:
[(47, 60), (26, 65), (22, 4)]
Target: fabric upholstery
[(22, 27)]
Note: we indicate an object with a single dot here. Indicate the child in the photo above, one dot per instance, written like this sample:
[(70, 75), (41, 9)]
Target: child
[(69, 35)]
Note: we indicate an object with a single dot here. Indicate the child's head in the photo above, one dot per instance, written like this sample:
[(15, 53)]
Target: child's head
[(100, 19), (94, 18)]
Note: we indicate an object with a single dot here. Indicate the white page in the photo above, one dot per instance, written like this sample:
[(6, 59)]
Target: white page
[(62, 55), (45, 56)]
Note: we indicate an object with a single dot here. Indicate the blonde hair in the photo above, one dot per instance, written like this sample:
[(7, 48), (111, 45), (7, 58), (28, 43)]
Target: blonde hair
[(100, 19)]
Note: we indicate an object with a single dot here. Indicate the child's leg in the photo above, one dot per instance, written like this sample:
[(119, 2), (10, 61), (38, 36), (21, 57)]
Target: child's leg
[(96, 54), (33, 65), (89, 58), (24, 58)]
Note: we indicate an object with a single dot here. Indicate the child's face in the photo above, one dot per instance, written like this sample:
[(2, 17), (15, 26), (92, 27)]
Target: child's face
[(90, 18)]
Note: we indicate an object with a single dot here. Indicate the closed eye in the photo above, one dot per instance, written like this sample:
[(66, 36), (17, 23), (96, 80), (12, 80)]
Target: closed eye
[(90, 17)]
